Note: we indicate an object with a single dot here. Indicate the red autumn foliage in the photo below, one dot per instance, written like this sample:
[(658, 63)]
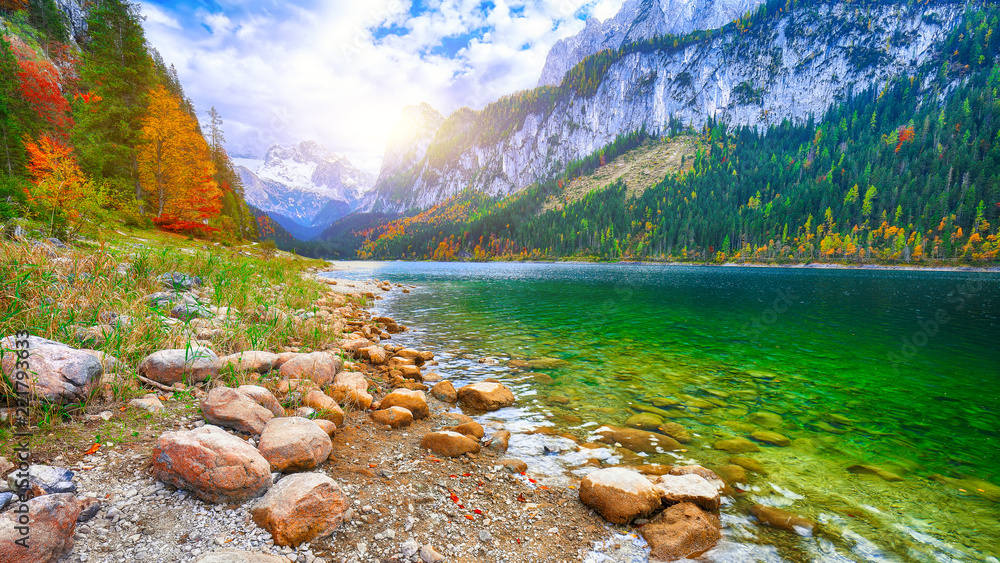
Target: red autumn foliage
[(178, 225), (906, 134), (40, 87)]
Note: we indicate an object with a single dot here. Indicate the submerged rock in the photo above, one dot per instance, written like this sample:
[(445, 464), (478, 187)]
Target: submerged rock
[(749, 464), (736, 446), (644, 421), (676, 431), (971, 485), (638, 440), (772, 438), (782, 519), (874, 470)]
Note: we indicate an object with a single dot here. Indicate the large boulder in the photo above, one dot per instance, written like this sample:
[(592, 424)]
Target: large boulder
[(350, 388), (213, 464), (449, 444), (224, 406), (637, 440), (317, 366), (325, 406), (674, 489), (444, 391), (260, 362), (486, 396), (56, 372), (712, 477), (679, 532), (300, 508), (48, 534), (293, 444), (263, 397), (190, 365), (413, 401), (619, 495), (395, 417)]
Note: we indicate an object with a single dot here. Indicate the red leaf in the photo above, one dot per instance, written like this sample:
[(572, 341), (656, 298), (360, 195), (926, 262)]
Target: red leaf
[(92, 449)]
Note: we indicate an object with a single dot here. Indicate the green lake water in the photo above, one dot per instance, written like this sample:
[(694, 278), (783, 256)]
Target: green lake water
[(895, 369)]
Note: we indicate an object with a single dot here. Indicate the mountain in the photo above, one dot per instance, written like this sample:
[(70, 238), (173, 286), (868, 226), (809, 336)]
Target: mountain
[(407, 146), (304, 187), (639, 20), (760, 71), (904, 171)]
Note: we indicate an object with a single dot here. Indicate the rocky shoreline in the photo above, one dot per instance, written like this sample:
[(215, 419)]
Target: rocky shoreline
[(400, 477)]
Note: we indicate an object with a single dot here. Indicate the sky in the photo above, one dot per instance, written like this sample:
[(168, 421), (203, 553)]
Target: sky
[(341, 71)]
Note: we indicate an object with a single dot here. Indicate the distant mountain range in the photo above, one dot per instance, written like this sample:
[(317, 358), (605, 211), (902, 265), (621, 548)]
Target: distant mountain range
[(303, 187)]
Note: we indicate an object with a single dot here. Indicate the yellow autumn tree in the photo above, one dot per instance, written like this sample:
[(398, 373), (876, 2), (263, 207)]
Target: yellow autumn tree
[(59, 188), (175, 166)]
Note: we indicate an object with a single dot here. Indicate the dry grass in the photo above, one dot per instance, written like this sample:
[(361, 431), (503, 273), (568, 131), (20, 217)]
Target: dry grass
[(639, 169), (67, 294)]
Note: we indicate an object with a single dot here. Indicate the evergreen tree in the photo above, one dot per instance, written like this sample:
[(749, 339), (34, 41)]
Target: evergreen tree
[(118, 69)]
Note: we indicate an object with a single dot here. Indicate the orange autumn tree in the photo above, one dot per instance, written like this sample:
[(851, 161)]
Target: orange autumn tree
[(59, 186), (175, 167)]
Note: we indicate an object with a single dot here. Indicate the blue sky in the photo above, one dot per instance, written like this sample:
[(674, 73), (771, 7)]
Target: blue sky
[(340, 72)]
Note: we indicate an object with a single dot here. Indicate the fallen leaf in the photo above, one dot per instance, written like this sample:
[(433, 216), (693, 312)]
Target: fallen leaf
[(470, 517), (92, 449)]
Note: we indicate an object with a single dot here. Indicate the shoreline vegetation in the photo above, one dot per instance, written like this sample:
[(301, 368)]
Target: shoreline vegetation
[(803, 265)]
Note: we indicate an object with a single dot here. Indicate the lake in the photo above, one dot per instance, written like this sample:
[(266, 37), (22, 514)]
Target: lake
[(897, 371)]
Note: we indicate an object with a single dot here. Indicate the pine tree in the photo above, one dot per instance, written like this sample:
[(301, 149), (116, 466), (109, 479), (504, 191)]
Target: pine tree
[(118, 69)]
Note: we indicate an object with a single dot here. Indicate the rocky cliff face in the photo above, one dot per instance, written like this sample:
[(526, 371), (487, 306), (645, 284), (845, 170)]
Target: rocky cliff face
[(788, 66), (76, 17), (303, 182), (406, 148), (638, 20)]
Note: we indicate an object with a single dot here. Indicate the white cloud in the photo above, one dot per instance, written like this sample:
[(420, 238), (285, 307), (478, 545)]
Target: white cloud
[(320, 74)]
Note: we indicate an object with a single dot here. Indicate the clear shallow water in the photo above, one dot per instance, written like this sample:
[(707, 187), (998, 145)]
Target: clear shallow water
[(897, 369)]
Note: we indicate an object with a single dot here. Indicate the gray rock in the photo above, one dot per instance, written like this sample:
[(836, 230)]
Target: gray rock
[(178, 280), (187, 311), (195, 364), (409, 548), (58, 372)]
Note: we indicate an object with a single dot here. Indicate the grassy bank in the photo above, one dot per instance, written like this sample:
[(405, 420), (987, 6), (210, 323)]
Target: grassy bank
[(93, 294)]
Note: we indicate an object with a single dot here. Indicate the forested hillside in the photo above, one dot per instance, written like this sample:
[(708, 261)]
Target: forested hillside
[(908, 172), (100, 132)]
